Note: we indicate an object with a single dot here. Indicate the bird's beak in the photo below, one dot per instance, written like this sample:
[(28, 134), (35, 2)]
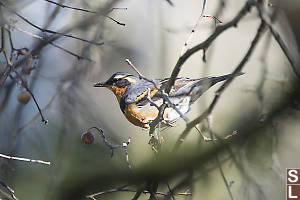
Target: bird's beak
[(100, 84)]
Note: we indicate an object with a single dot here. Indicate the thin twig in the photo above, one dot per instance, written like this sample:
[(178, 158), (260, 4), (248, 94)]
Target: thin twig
[(224, 178), (220, 167), (79, 57), (2, 39), (167, 99), (88, 21), (171, 193), (133, 67), (204, 45), (12, 48), (24, 84), (205, 138), (170, 2), (10, 190), (279, 40), (120, 189), (50, 19), (37, 115), (112, 146), (237, 70), (24, 159), (47, 30), (182, 59), (184, 48), (88, 11), (124, 189)]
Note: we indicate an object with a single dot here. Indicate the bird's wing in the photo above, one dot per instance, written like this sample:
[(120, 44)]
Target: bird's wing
[(193, 87), (139, 92), (183, 86)]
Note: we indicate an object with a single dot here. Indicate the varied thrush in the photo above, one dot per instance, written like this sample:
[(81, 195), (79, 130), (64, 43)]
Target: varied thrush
[(137, 95)]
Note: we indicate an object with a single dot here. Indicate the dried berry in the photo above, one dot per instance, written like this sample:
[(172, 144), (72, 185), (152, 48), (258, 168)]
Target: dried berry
[(23, 97), (87, 137)]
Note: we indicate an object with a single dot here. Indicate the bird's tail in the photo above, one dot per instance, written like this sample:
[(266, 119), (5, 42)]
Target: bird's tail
[(217, 79)]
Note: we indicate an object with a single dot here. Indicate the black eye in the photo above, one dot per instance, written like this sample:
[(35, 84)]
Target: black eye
[(121, 83), (115, 81)]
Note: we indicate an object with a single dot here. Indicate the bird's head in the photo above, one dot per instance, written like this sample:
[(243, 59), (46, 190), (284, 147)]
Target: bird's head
[(118, 83)]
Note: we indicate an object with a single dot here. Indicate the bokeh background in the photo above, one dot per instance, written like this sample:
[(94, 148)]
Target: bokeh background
[(262, 105)]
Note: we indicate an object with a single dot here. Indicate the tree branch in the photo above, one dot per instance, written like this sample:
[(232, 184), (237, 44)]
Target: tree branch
[(88, 11), (47, 30), (237, 70), (279, 40)]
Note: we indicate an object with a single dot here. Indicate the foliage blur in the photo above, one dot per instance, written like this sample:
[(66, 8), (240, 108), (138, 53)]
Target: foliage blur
[(262, 105)]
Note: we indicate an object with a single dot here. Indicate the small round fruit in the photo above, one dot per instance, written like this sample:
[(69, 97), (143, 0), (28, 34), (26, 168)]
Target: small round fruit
[(23, 97), (87, 137)]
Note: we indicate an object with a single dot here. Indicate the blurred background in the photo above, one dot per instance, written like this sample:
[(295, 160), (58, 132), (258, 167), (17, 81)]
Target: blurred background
[(262, 105)]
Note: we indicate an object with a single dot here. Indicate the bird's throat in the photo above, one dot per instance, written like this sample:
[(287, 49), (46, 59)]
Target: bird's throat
[(119, 92)]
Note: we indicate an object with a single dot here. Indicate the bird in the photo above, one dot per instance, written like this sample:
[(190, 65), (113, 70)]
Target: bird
[(139, 98)]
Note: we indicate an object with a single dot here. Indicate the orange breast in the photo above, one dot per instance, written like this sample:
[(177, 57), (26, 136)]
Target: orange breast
[(140, 116), (119, 92)]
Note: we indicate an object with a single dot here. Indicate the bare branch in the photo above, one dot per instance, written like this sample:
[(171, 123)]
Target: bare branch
[(205, 138), (184, 48), (79, 57), (133, 67), (24, 159), (112, 147), (47, 30), (279, 40), (170, 2), (204, 45), (124, 189), (31, 94), (37, 115), (237, 70), (224, 178), (88, 11), (10, 190)]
